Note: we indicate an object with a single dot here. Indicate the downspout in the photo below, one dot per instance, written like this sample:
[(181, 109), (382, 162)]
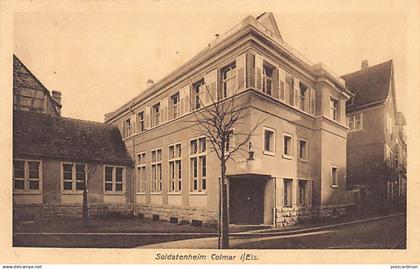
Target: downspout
[(133, 183), (275, 202)]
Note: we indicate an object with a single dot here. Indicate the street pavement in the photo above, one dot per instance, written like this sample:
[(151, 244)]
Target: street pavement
[(384, 233)]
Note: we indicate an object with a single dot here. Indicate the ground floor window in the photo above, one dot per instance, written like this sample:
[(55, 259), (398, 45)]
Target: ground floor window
[(287, 192), (26, 175), (114, 179), (302, 192), (73, 176)]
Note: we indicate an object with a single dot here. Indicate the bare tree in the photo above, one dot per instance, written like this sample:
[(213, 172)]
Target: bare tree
[(216, 121), (89, 171)]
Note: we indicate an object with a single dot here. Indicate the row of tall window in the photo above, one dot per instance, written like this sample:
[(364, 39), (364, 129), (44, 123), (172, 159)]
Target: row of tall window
[(27, 176), (302, 193), (197, 168)]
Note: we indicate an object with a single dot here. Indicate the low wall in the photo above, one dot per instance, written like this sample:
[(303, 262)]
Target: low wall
[(180, 214), (289, 216), (52, 211)]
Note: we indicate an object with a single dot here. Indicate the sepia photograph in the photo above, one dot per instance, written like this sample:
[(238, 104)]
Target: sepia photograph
[(178, 130)]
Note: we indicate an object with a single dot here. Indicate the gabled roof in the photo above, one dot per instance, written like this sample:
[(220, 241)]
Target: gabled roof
[(39, 135), (23, 78), (370, 85), (268, 20)]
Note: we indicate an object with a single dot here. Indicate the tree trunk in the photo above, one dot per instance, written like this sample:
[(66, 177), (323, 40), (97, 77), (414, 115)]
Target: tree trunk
[(225, 218)]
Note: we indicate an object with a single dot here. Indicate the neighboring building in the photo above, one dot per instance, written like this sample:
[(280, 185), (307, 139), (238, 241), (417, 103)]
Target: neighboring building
[(299, 166), (376, 144), (53, 156), (30, 95)]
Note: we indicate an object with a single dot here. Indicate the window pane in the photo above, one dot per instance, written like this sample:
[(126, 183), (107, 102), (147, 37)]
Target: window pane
[(119, 187), (34, 185), (108, 186), (108, 173), (119, 174), (19, 169), (19, 184), (67, 185), (203, 166), (34, 170), (80, 185), (67, 171), (204, 184)]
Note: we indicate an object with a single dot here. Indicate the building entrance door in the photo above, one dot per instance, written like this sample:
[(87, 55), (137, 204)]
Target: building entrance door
[(246, 200)]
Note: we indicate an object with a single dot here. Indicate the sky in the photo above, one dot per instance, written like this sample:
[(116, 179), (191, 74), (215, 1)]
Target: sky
[(100, 60)]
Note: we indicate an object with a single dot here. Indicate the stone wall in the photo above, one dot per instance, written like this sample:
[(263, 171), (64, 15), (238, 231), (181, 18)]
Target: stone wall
[(288, 216), (52, 211), (180, 214)]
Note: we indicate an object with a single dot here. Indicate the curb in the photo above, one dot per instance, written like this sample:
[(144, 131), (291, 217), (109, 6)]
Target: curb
[(319, 228), (240, 234)]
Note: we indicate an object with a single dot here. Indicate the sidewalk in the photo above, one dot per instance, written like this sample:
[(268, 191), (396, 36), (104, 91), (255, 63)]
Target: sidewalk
[(237, 238)]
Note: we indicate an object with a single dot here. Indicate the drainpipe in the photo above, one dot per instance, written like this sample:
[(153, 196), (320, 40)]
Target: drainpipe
[(275, 201), (133, 182)]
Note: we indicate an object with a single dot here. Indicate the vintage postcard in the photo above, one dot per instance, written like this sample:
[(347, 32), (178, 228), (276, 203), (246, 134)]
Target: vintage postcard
[(199, 132)]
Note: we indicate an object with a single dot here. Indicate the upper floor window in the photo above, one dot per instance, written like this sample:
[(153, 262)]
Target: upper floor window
[(303, 149), (114, 179), (156, 114), (127, 127), (198, 90), (140, 120), (26, 175), (141, 172), (269, 141), (334, 177), (174, 106), (302, 96), (287, 145), (74, 176), (333, 108), (198, 165), (355, 122), (267, 79), (229, 141), (175, 168), (228, 80), (156, 166)]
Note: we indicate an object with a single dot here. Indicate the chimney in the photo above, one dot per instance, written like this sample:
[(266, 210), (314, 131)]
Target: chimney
[(56, 96), (150, 82), (364, 64)]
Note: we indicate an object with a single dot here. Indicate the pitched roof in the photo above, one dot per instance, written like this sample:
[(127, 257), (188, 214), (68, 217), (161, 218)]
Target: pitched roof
[(44, 136), (23, 78), (370, 85)]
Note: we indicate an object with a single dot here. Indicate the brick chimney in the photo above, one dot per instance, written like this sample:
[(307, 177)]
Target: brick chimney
[(56, 95), (364, 64)]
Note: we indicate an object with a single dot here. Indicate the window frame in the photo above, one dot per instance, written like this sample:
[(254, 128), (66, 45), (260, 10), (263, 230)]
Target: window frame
[(155, 115), (306, 158), (353, 118), (142, 165), (153, 177), (273, 131), (197, 157), (266, 77), (175, 108), (194, 94), (334, 168), (224, 93), (141, 122), (177, 179), (287, 194), (74, 180), (286, 155), (334, 111), (304, 202), (128, 125), (114, 179), (26, 177)]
